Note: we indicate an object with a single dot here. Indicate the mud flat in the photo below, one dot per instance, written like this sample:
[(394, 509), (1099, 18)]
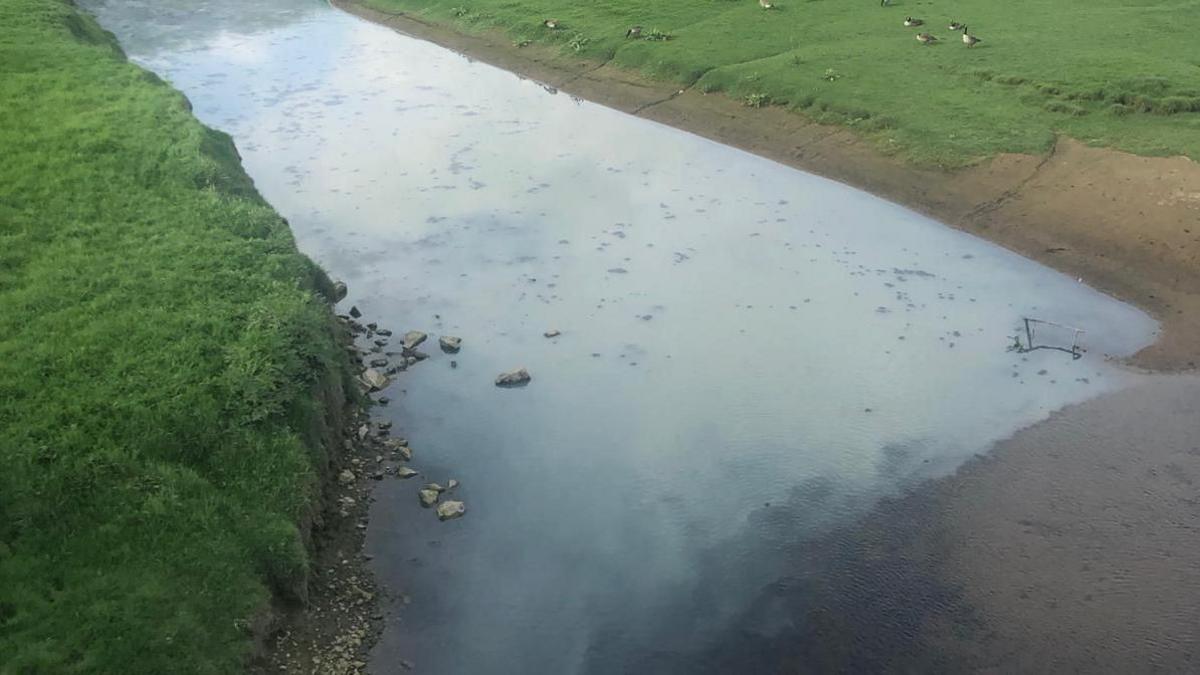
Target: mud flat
[(1070, 547), (1076, 540)]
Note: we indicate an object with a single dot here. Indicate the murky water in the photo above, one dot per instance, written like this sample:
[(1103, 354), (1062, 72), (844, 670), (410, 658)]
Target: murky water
[(750, 355)]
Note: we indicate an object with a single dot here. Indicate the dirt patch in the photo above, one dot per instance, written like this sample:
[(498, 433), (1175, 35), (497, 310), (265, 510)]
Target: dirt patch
[(1125, 224)]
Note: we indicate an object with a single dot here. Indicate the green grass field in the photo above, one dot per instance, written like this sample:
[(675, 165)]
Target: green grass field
[(160, 337), (1118, 73)]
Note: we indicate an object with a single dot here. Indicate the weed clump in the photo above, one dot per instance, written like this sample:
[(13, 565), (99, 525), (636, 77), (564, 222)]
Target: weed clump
[(756, 100)]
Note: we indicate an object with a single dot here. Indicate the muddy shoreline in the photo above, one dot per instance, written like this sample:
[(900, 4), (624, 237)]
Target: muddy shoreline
[(335, 619), (1122, 223), (1070, 547)]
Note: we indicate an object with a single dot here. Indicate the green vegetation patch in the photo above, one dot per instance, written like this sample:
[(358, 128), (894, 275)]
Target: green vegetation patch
[(161, 340), (1109, 72)]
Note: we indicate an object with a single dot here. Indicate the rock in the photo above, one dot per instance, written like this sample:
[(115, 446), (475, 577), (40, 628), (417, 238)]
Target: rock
[(552, 333), (346, 477), (380, 343), (454, 364), (417, 355), (406, 472), (451, 484), (513, 378), (354, 312), (384, 332), (413, 338), (434, 486), (378, 475), (450, 344), (383, 400), (386, 424), (410, 361), (375, 379), (339, 291), (400, 448), (450, 510), (379, 363), (428, 497)]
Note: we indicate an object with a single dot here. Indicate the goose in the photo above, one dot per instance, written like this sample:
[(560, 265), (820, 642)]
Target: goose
[(884, 3), (968, 39), (550, 23), (910, 22), (766, 4), (636, 31), (926, 38), (956, 26)]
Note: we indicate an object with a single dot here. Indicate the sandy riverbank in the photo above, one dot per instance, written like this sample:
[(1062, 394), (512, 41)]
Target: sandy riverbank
[(1125, 224)]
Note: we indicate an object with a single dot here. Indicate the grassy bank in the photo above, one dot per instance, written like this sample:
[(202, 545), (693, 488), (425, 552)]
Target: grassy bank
[(1108, 72), (169, 369)]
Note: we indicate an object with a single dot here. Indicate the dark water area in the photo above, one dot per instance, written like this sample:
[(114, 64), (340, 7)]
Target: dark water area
[(752, 358), (854, 599)]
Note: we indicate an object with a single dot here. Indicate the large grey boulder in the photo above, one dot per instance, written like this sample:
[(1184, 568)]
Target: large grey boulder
[(449, 510), (428, 497), (513, 378), (339, 291), (450, 344), (413, 338), (375, 379), (398, 446)]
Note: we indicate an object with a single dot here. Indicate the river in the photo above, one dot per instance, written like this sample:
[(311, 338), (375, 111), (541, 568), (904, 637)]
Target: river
[(750, 358)]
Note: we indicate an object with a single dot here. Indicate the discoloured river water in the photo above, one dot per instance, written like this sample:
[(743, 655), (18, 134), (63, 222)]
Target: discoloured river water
[(750, 356)]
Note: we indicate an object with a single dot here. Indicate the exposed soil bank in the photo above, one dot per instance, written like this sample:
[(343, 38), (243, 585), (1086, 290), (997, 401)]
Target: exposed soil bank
[(1123, 223)]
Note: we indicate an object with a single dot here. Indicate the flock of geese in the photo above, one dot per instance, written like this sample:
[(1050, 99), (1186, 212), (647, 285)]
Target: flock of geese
[(909, 22), (927, 39), (924, 38)]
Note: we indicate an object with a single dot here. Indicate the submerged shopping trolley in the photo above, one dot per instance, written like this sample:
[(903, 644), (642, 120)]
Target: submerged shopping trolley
[(1042, 334)]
